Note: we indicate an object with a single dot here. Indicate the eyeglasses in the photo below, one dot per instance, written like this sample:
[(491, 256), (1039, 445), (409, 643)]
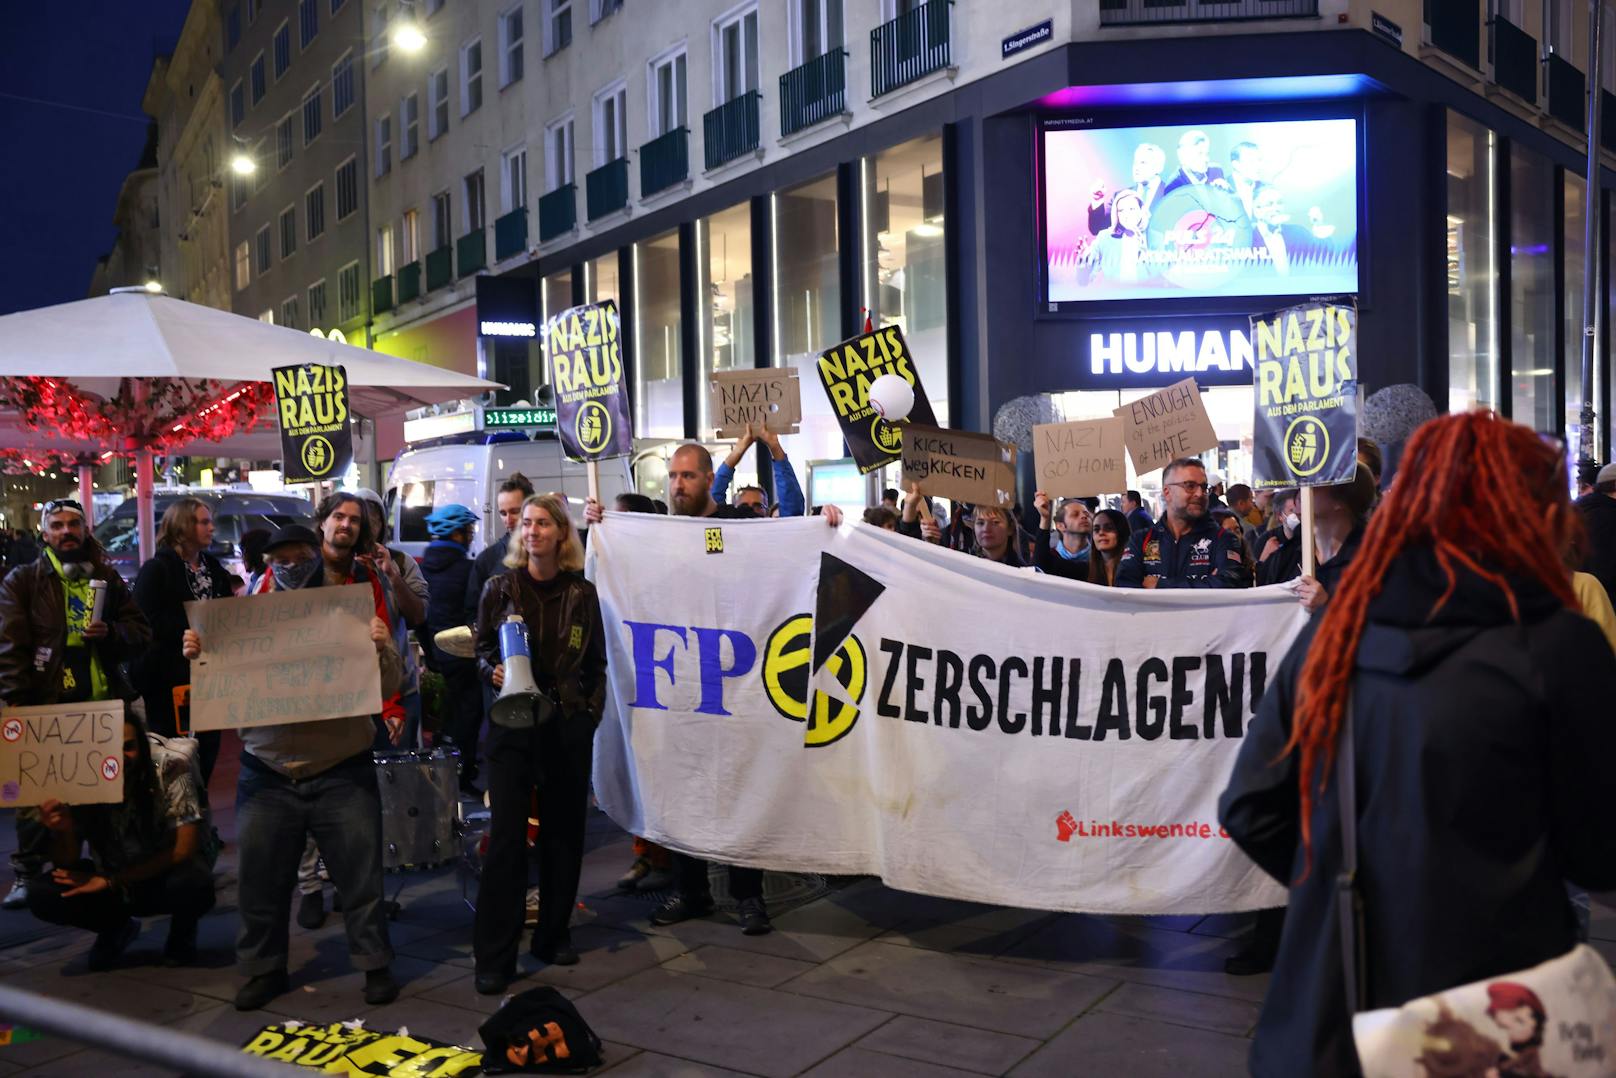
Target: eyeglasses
[(1191, 487)]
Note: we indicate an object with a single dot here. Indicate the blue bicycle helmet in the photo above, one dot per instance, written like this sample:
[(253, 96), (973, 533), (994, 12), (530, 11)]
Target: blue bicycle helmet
[(445, 520)]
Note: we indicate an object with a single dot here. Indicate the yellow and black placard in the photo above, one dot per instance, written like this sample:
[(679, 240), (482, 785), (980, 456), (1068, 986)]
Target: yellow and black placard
[(316, 440), (847, 371), (585, 348), (1306, 431), (349, 1048)]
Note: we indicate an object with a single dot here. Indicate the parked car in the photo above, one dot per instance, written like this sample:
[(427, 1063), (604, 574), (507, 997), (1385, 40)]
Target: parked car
[(235, 512)]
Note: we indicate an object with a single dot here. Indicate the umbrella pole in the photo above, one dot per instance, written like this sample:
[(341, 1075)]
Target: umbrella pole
[(145, 526), (87, 492)]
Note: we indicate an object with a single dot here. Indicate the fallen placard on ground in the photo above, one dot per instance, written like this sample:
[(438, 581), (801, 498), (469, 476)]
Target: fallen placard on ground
[(738, 399), (283, 657), (966, 467), (71, 753), (1165, 425), (1077, 459)]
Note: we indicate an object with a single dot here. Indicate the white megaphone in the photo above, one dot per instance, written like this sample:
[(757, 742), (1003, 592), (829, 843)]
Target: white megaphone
[(519, 697)]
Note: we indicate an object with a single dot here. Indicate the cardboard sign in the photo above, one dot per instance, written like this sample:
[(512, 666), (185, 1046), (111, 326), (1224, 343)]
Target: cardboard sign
[(847, 371), (1168, 424), (975, 468), (1306, 375), (585, 348), (71, 753), (1075, 460), (771, 396), (284, 657), (316, 440)]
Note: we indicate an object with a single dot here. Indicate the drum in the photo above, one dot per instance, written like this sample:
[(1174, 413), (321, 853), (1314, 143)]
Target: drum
[(420, 795)]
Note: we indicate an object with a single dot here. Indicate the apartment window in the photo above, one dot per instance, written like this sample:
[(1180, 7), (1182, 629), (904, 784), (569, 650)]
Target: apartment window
[(558, 154), (476, 205), (285, 140), (289, 312), (288, 232), (267, 316), (232, 27), (599, 9), (282, 49), (238, 191), (238, 104), (409, 121), (255, 76), (312, 116), (513, 180), (254, 9), (611, 124), (342, 85), (314, 211), (667, 94), (308, 22), (735, 55), (316, 303), (384, 251), (557, 25), (510, 47), (347, 187), (336, 5), (384, 145), (819, 29), (471, 77), (442, 222), (437, 102), (409, 235), (348, 292), (243, 265), (379, 38), (263, 254)]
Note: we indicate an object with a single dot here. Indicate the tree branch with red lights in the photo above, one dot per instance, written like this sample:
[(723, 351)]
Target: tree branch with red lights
[(176, 411)]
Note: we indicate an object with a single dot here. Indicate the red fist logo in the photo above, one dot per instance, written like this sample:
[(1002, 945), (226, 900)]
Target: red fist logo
[(1065, 826)]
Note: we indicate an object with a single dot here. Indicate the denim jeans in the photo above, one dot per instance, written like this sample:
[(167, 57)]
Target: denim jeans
[(341, 810)]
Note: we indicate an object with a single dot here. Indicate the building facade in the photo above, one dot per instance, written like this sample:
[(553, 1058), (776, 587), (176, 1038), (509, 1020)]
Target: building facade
[(136, 253)]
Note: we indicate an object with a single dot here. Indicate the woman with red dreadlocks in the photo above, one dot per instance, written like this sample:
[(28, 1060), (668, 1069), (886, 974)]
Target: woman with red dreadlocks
[(1481, 728)]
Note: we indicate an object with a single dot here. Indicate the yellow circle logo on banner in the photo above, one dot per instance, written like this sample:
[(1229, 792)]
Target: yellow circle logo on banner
[(593, 426), (886, 435), (1307, 446), (785, 678), (318, 455)]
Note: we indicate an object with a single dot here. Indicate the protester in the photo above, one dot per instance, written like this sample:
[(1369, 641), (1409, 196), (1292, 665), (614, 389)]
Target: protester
[(1133, 504), (490, 562), (446, 565), (918, 524), (890, 498), (1340, 514), (628, 502), (1481, 738), (1283, 539), (52, 652), (1598, 510), (181, 571), (313, 780), (1370, 457), (1063, 552), (787, 491), (1186, 549), (1110, 539), (544, 584), (995, 532), (406, 588), (1230, 521), (881, 517), (1244, 504), (252, 555), (151, 854)]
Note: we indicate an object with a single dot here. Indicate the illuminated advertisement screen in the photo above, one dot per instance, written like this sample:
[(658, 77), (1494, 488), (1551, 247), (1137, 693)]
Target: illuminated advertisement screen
[(1196, 211)]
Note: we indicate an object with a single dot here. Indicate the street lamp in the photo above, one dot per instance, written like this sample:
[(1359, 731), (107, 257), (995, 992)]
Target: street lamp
[(155, 287), (408, 39), (243, 165)]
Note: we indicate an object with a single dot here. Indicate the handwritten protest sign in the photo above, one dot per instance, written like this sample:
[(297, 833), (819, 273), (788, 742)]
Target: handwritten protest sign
[(1075, 460), (772, 397), (71, 753), (976, 468), (1306, 430), (283, 657), (1168, 424)]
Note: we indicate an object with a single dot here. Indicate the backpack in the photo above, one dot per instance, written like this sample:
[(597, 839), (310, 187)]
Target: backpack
[(539, 1032)]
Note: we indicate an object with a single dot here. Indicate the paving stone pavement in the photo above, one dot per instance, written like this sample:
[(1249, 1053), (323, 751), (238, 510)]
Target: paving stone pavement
[(863, 981)]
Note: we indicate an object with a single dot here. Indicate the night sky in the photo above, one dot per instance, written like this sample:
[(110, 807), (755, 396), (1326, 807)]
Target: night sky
[(64, 166)]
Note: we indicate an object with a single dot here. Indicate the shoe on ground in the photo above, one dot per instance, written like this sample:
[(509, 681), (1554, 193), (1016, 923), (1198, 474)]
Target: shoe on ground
[(380, 988), (311, 911), (493, 982), (754, 918), (17, 897), (1249, 962), (558, 953), (111, 944), (658, 879), (259, 990), (630, 880), (180, 949), (680, 908)]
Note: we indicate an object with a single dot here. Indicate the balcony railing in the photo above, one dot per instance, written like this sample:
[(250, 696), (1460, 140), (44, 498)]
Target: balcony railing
[(665, 161), (731, 130), (439, 268), (471, 251), (1140, 12), (558, 212), (606, 188), (510, 234), (1514, 55), (381, 295), (409, 283), (1456, 29), (814, 92), (909, 47), (1568, 91)]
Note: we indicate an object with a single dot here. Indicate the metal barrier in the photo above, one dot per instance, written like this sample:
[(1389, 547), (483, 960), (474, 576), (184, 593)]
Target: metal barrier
[(185, 1052)]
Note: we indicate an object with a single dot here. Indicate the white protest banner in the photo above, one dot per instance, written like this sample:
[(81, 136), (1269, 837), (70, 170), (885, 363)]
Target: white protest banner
[(1075, 460), (1165, 425), (991, 754), (71, 753), (283, 657)]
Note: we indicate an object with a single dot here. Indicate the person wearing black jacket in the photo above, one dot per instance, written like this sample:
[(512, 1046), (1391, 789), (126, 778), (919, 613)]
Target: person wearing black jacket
[(447, 568), (181, 571), (1340, 514), (1598, 509), (1186, 548)]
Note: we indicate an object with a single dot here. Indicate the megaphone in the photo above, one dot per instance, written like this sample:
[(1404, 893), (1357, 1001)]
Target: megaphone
[(519, 697)]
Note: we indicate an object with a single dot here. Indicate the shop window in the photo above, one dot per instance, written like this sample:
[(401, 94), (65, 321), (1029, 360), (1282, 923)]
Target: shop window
[(724, 261), (1572, 244), (659, 366), (807, 304), (1471, 276), (601, 283), (1531, 244)]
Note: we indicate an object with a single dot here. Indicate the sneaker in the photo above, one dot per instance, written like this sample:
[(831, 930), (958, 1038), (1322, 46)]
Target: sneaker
[(679, 908), (658, 879), (630, 880), (754, 918), (559, 953), (530, 908), (180, 950), (311, 910), (17, 897), (261, 989), (493, 982), (380, 988), (112, 943)]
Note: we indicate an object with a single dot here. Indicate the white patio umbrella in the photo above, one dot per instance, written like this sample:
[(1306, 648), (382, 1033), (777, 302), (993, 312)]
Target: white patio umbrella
[(94, 345)]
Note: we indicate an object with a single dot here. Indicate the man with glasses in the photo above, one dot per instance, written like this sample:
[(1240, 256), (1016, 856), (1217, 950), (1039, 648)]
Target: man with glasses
[(1186, 548)]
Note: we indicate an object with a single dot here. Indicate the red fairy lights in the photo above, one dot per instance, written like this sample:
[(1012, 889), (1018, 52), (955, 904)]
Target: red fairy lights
[(176, 411)]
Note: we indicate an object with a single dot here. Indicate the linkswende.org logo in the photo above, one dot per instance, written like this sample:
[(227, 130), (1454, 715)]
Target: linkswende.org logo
[(785, 679)]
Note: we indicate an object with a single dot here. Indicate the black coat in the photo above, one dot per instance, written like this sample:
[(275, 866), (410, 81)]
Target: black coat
[(1482, 746), (162, 589), (1599, 514)]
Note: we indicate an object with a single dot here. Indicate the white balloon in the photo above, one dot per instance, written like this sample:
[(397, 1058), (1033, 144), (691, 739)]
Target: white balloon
[(892, 397)]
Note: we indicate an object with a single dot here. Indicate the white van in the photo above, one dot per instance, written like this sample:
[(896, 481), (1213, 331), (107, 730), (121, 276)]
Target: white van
[(468, 469)]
